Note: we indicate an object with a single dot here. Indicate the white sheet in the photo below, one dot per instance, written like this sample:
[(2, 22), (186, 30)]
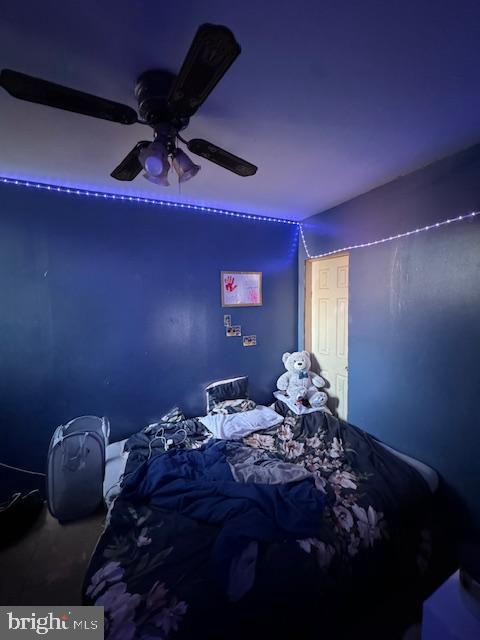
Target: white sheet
[(115, 462), (299, 409), (234, 426)]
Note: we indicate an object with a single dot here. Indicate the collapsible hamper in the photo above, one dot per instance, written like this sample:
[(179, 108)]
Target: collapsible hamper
[(76, 466)]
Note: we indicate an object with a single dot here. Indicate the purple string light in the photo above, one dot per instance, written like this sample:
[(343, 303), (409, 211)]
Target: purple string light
[(226, 212), (162, 203), (428, 227)]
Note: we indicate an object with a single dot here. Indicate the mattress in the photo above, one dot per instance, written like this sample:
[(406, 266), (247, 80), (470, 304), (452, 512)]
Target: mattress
[(428, 474)]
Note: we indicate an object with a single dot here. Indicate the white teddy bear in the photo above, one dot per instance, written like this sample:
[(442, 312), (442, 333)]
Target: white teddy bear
[(299, 382)]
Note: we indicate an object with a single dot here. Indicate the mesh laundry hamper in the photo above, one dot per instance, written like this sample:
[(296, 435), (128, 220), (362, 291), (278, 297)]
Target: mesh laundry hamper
[(76, 466)]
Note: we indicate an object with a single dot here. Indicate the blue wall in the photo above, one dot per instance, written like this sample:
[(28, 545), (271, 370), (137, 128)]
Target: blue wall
[(414, 307), (114, 309)]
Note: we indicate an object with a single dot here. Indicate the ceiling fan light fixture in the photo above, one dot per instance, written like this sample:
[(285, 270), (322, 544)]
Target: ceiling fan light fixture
[(160, 180), (154, 165), (154, 159), (184, 166)]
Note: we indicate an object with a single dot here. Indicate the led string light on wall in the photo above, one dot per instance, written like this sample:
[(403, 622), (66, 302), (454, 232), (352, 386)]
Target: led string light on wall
[(227, 212), (429, 227), (153, 201)]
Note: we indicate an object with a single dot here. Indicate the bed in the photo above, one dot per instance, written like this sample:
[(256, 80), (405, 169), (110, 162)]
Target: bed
[(285, 528)]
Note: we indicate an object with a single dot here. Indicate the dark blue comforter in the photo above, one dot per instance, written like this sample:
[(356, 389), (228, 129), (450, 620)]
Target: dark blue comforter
[(198, 483)]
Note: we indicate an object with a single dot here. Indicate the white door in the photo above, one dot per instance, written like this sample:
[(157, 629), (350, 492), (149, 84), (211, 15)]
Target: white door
[(329, 326)]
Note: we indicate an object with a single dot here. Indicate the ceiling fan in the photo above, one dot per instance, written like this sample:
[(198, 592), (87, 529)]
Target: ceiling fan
[(166, 103)]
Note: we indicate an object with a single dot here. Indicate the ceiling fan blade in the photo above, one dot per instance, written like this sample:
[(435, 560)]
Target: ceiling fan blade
[(32, 89), (221, 157), (211, 53), (130, 166)]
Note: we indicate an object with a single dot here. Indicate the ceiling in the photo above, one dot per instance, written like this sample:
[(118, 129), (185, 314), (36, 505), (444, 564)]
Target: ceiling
[(329, 99)]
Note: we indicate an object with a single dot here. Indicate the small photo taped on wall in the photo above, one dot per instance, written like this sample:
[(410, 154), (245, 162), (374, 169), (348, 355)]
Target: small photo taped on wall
[(227, 320), (233, 332), (249, 341)]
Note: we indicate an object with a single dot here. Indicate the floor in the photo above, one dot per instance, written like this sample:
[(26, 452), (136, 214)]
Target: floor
[(46, 567), (413, 633)]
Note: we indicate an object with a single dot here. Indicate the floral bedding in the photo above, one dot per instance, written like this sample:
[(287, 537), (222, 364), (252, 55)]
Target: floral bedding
[(152, 569)]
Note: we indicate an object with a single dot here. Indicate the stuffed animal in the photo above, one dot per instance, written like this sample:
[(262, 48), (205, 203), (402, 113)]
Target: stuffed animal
[(299, 383)]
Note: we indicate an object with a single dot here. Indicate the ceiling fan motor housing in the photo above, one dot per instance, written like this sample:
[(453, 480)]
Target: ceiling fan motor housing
[(151, 91)]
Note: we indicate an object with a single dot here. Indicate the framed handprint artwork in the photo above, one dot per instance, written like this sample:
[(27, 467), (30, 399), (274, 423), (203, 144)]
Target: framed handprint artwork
[(241, 288)]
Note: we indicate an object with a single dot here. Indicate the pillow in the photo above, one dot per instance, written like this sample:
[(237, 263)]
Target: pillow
[(235, 426), (174, 415), (230, 389), (233, 406)]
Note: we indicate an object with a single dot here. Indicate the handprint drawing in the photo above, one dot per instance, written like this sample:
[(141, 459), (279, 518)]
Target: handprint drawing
[(230, 284), (253, 296)]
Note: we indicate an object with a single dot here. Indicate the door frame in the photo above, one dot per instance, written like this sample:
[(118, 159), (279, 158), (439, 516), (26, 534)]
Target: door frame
[(308, 300), (308, 295)]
